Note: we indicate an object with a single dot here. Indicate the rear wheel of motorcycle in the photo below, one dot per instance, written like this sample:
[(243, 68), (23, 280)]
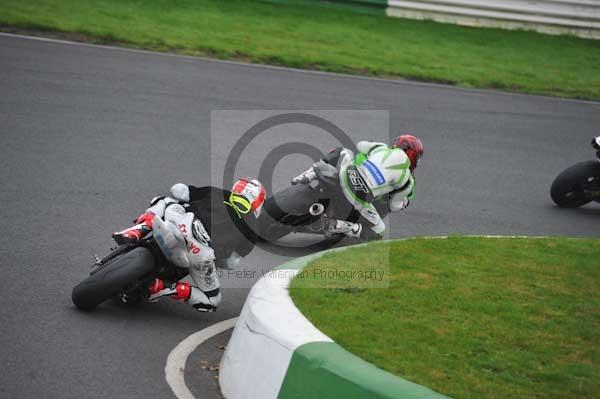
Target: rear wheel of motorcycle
[(567, 190), (112, 278)]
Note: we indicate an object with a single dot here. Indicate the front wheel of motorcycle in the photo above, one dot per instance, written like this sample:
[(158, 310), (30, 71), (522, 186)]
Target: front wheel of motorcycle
[(569, 188), (113, 278)]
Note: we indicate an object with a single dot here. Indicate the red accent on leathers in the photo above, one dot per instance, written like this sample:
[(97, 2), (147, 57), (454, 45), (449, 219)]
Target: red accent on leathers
[(157, 285), (184, 290), (134, 235), (146, 218)]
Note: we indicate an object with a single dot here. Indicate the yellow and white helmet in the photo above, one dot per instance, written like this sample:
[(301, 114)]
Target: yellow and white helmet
[(247, 195)]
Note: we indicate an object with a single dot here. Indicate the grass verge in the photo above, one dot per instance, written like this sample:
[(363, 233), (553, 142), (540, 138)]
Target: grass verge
[(329, 37), (470, 317)]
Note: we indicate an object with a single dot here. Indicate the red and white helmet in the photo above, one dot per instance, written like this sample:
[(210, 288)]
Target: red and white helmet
[(253, 191), (412, 146)]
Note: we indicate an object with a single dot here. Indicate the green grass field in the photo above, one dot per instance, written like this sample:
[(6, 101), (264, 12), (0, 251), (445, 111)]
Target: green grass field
[(330, 38), (470, 317)]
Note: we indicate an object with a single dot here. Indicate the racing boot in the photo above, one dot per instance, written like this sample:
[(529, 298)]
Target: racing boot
[(143, 222), (198, 299), (135, 233), (336, 226), (305, 177)]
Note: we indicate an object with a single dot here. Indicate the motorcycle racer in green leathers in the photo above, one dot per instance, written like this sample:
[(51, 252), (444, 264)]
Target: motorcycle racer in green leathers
[(376, 171)]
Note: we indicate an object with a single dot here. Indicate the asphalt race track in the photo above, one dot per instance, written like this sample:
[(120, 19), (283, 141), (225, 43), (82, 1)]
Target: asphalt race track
[(90, 134)]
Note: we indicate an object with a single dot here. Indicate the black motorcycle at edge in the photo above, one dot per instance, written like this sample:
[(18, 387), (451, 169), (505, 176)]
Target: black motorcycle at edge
[(578, 184)]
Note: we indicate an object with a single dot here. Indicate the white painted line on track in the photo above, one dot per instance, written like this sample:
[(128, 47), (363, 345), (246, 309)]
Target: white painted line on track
[(175, 368), (399, 81)]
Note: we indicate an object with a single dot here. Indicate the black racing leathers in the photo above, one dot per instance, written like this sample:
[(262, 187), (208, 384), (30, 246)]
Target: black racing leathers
[(229, 231)]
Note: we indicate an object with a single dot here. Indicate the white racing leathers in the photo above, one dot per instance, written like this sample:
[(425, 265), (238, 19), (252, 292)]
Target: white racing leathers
[(185, 242), (375, 171)]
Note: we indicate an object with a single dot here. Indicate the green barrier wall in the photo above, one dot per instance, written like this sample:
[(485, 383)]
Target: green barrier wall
[(326, 370)]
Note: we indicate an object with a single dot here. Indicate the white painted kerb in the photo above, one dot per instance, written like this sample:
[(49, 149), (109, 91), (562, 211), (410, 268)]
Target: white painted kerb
[(267, 333)]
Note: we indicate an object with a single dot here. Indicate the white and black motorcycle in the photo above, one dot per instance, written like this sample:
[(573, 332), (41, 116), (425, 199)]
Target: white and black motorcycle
[(578, 184)]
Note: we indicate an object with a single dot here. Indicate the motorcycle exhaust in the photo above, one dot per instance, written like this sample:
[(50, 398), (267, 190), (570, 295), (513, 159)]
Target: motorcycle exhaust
[(316, 209)]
